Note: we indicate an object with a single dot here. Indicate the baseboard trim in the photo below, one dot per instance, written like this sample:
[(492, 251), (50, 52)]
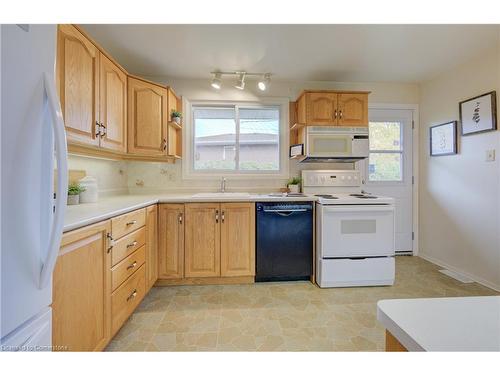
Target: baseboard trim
[(207, 281), (477, 279)]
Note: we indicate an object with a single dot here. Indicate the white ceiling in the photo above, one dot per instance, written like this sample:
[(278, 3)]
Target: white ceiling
[(342, 53)]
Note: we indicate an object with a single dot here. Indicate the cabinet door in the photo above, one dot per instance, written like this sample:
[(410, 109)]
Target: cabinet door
[(171, 241), (353, 109), (113, 105), (151, 245), (202, 251), (321, 108), (237, 239), (81, 307), (77, 79), (301, 109), (147, 118)]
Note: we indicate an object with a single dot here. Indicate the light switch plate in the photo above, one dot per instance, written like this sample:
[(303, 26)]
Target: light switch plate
[(490, 155)]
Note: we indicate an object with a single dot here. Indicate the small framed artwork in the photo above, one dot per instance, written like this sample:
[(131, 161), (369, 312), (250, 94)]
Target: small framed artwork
[(479, 114), (296, 150), (443, 139)]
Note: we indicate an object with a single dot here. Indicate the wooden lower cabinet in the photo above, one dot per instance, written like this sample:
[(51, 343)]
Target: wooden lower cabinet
[(237, 239), (81, 307), (171, 241), (202, 240), (151, 245), (206, 241), (392, 344)]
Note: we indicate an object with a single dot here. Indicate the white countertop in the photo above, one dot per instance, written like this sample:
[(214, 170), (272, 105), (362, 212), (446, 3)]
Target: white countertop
[(443, 324), (108, 207)]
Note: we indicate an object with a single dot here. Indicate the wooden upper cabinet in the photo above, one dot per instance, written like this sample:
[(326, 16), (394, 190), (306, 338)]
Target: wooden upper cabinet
[(147, 118), (151, 245), (77, 81), (202, 234), (353, 109), (237, 239), (81, 308), (113, 105), (321, 108), (171, 241)]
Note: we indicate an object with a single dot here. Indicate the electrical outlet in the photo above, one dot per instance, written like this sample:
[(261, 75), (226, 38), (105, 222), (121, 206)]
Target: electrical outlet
[(490, 155)]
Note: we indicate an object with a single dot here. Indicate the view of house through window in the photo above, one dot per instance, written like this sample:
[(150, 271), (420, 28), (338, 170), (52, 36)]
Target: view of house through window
[(236, 138), (386, 152)]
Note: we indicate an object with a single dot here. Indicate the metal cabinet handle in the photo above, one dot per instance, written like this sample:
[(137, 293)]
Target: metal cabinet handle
[(103, 131), (132, 222), (134, 293), (111, 242), (216, 216), (180, 218), (97, 129), (132, 244), (164, 144), (223, 216), (335, 114), (132, 265), (340, 114)]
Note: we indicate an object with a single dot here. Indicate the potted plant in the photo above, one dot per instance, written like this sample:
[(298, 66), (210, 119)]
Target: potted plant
[(293, 184), (176, 117), (74, 191)]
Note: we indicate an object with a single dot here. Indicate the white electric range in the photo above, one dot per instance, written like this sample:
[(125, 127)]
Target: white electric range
[(355, 231)]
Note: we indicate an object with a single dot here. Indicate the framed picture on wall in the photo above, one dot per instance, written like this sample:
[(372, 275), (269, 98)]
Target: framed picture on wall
[(443, 139), (479, 114)]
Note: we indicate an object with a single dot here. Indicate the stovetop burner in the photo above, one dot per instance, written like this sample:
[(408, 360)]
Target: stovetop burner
[(363, 196), (327, 196)]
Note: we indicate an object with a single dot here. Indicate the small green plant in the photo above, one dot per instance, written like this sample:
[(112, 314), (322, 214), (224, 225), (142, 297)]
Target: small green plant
[(176, 114), (75, 189), (294, 181)]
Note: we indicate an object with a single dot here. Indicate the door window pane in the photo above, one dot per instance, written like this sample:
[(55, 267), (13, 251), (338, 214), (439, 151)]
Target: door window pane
[(385, 136), (385, 167), (214, 138), (259, 139)]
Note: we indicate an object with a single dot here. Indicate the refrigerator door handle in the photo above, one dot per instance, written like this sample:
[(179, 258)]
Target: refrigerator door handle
[(62, 181)]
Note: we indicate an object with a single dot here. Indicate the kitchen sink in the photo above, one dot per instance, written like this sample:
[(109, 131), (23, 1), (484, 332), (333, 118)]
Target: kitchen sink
[(221, 195)]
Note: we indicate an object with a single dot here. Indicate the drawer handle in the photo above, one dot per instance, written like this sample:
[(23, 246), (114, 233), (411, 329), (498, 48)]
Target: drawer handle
[(132, 266), (131, 244), (132, 222), (134, 293)]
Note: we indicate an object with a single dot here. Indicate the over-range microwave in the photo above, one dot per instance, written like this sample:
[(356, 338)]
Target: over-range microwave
[(334, 144)]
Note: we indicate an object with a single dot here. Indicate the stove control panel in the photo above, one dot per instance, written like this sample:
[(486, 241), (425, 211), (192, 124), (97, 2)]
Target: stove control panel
[(326, 178)]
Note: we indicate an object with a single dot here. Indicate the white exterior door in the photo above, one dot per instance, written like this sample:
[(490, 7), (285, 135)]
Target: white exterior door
[(389, 169)]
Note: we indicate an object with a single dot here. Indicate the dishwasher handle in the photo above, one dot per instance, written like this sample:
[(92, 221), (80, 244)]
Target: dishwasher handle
[(286, 212)]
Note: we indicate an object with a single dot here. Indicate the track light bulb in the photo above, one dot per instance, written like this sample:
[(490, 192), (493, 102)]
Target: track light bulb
[(264, 82), (216, 81), (240, 83)]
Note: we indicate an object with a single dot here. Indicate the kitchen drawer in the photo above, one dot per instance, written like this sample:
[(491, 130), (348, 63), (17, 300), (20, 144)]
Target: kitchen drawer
[(125, 299), (127, 223), (127, 245), (356, 272), (127, 267)]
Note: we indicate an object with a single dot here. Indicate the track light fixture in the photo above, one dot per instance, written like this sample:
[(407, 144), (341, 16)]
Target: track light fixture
[(240, 83), (216, 81), (262, 84)]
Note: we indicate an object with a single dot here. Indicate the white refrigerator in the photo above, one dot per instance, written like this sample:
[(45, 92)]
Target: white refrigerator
[(33, 148)]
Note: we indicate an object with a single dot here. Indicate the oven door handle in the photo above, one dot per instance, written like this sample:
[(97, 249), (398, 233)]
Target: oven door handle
[(359, 208)]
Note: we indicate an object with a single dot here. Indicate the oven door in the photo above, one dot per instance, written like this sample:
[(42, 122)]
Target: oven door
[(356, 231)]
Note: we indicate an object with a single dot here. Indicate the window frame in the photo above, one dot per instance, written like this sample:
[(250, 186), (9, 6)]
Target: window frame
[(382, 151), (188, 171)]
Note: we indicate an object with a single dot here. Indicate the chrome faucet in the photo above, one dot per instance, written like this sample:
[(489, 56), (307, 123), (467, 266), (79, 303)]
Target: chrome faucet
[(223, 185)]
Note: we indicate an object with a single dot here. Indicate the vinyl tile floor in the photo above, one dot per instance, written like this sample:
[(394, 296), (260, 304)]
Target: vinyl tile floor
[(284, 316)]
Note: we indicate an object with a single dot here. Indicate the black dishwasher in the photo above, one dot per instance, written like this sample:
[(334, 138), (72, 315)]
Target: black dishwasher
[(284, 241)]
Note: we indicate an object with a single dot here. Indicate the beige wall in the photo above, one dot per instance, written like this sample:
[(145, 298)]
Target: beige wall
[(460, 194)]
